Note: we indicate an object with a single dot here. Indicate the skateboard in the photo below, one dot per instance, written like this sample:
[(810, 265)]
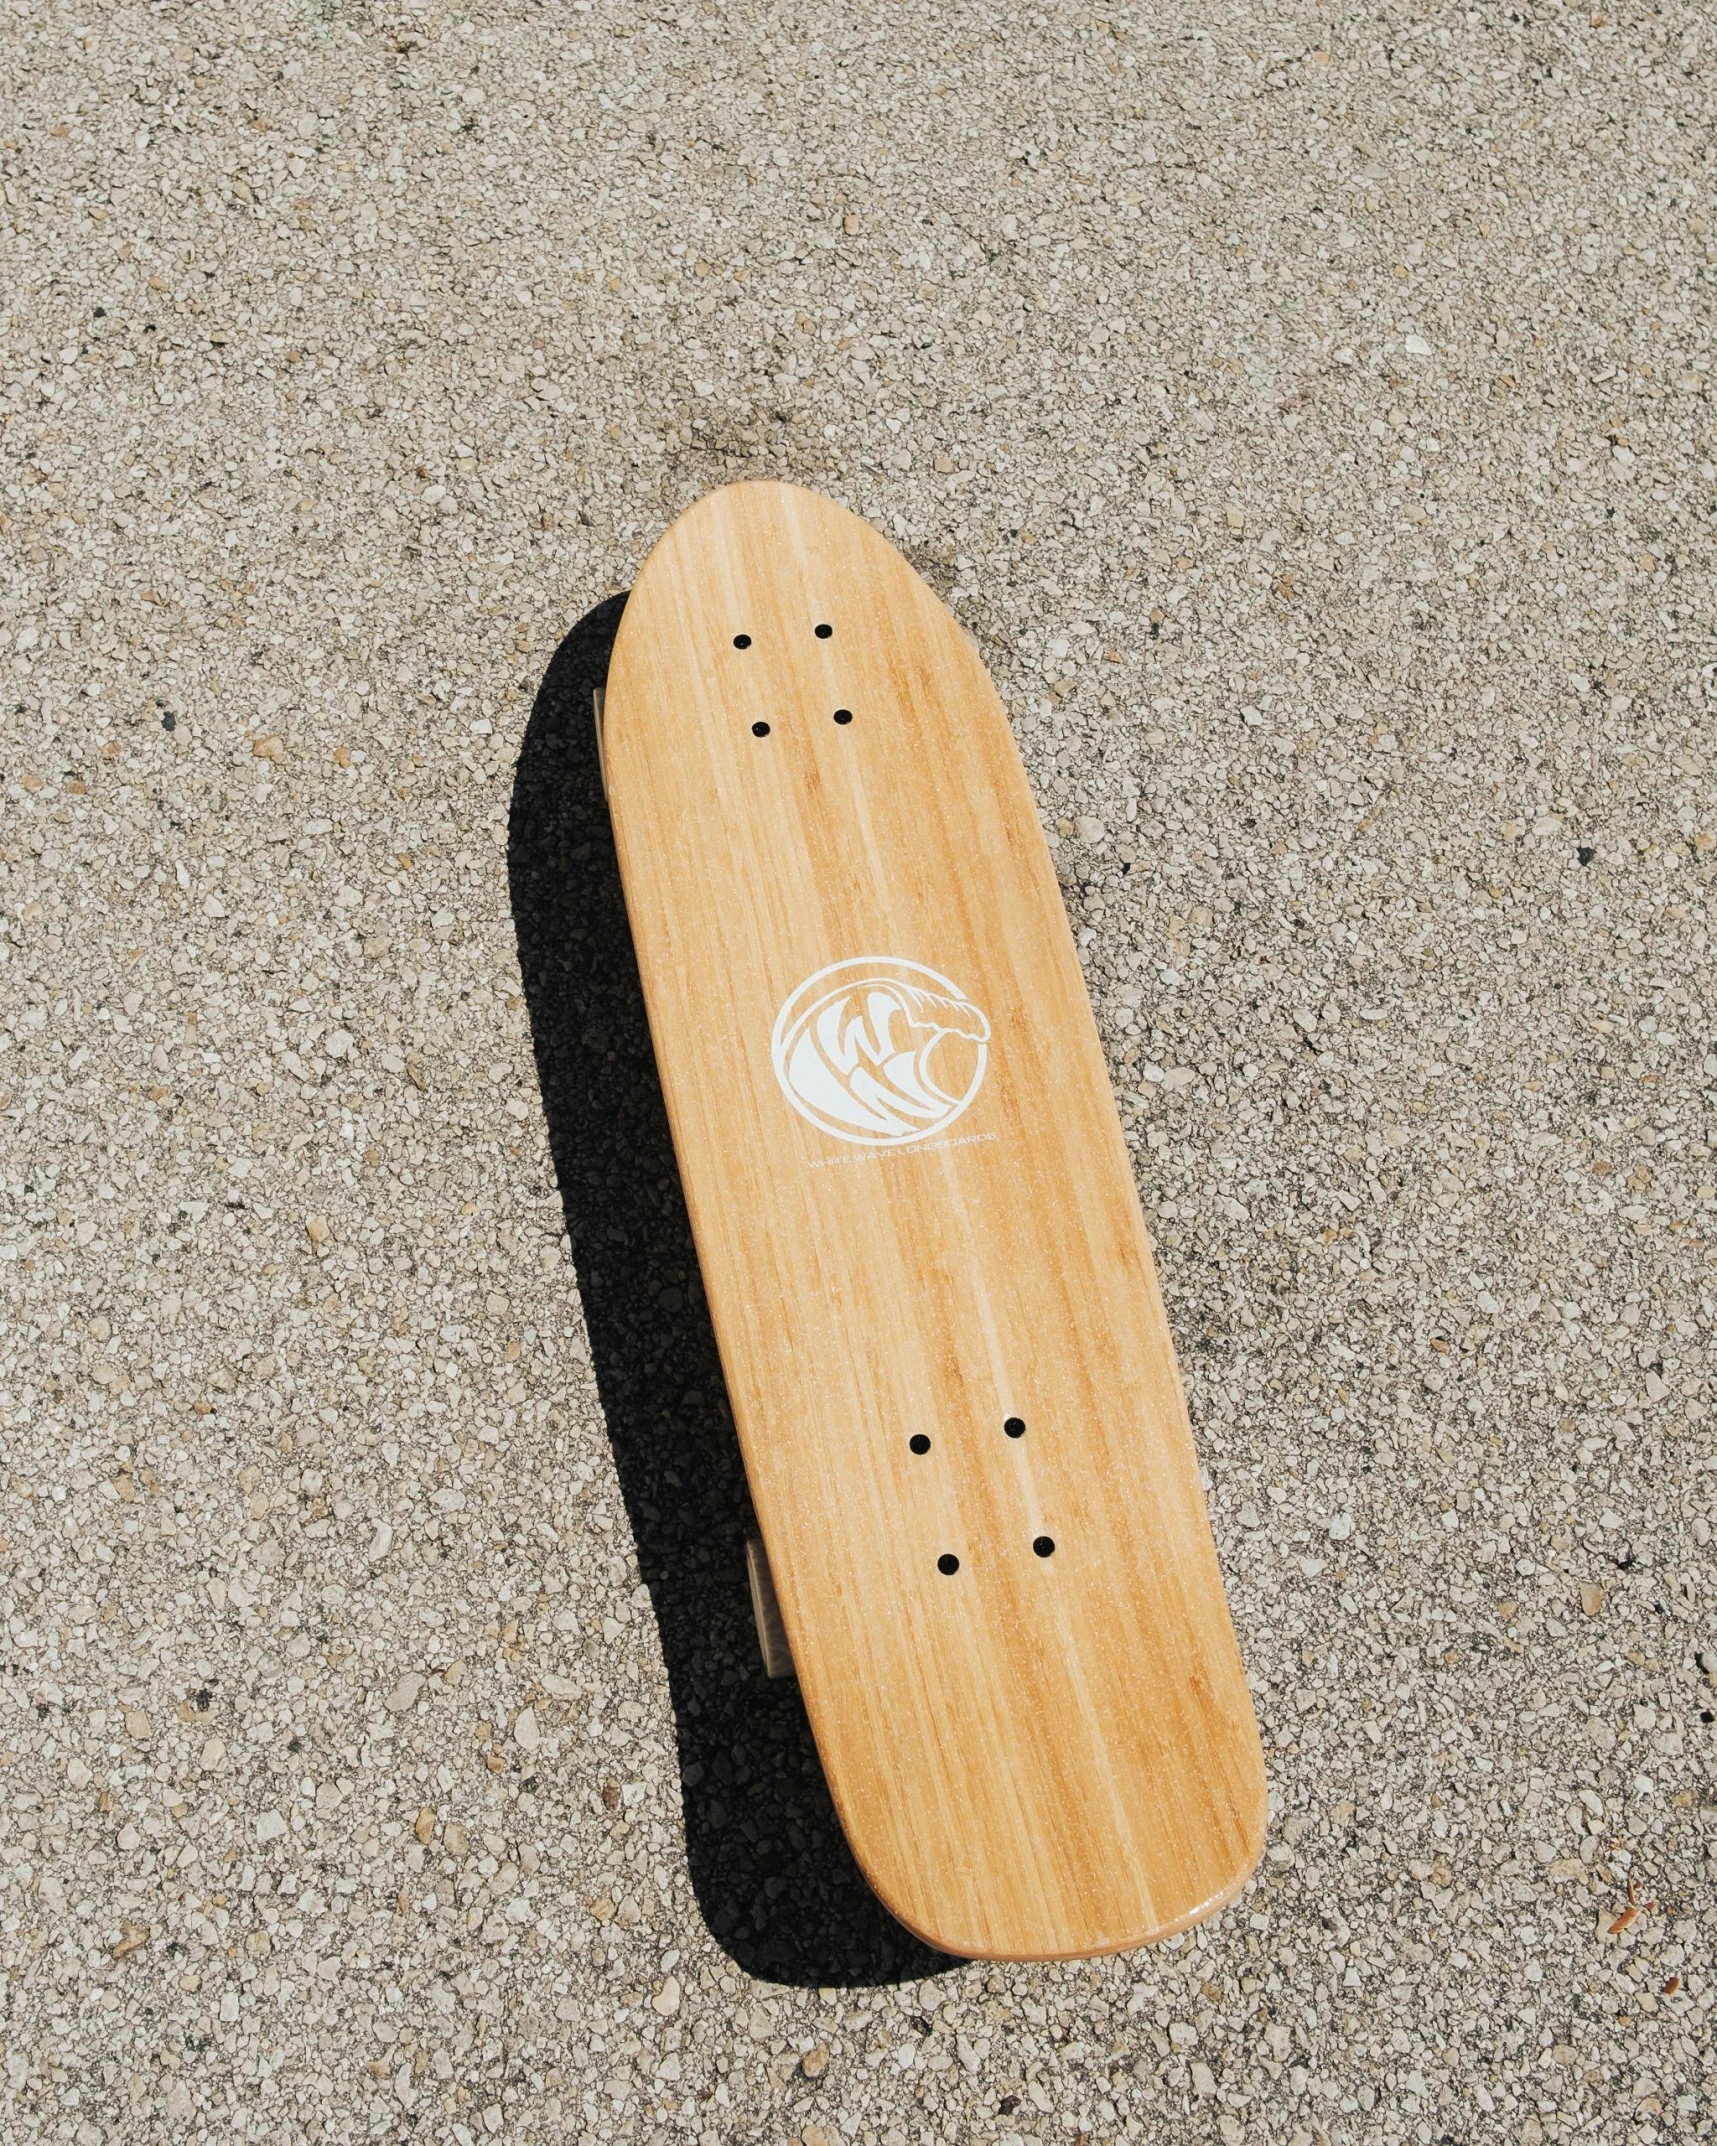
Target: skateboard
[(984, 1541)]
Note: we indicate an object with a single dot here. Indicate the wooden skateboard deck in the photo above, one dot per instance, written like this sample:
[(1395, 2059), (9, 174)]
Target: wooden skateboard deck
[(922, 1246)]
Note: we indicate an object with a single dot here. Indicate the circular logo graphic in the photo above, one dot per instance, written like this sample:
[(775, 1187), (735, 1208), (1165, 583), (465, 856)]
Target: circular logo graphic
[(879, 1050)]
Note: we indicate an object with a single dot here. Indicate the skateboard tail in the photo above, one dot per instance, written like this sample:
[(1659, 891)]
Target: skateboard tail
[(979, 1943), (1173, 1866)]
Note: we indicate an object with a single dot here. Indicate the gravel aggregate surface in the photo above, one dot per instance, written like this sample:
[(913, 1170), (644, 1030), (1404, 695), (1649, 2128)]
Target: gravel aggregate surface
[(1311, 418)]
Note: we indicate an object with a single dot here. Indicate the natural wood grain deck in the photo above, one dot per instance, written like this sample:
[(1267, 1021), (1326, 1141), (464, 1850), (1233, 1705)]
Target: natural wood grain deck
[(916, 1220)]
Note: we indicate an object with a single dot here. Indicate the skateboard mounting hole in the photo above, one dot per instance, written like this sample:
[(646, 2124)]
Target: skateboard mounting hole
[(823, 632), (843, 715), (1015, 1426), (1044, 1545), (918, 1442), (742, 640), (760, 730), (948, 1564)]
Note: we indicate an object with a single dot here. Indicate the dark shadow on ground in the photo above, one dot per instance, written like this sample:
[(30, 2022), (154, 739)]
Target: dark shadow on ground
[(769, 1864)]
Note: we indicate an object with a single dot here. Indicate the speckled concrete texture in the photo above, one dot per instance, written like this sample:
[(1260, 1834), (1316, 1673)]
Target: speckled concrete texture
[(1311, 418)]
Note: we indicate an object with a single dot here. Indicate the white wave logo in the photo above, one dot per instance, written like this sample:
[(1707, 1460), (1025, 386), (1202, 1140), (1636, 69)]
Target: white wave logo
[(879, 1051)]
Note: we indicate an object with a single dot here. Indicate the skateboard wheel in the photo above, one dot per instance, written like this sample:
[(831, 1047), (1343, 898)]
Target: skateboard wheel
[(1044, 1545), (823, 632), (918, 1442), (760, 730), (843, 715), (1015, 1426), (742, 640), (948, 1563), (766, 1609)]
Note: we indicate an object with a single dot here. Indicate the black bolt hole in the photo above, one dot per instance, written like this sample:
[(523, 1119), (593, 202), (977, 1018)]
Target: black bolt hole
[(1015, 1426), (843, 715), (760, 730), (169, 722), (919, 1443), (823, 632), (742, 640), (1044, 1545), (948, 1564)]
